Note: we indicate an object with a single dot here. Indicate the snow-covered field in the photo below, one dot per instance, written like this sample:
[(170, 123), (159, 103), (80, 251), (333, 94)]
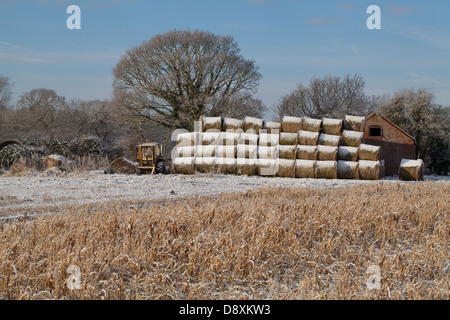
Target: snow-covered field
[(37, 193)]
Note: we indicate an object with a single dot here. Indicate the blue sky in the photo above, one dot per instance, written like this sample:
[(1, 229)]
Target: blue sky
[(291, 41)]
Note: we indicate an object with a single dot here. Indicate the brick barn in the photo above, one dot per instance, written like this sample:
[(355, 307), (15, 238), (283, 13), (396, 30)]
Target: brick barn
[(395, 143)]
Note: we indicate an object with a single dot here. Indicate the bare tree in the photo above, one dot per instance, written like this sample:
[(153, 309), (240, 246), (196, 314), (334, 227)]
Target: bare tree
[(176, 77), (239, 106), (5, 91)]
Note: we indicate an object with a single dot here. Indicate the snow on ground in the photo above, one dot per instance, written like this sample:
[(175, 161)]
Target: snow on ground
[(19, 195)]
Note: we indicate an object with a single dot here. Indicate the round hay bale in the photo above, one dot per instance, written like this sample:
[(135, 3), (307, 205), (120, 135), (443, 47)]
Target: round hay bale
[(326, 170), (186, 151), (205, 164), (226, 165), (291, 124), (267, 167), (246, 167), (267, 152), (187, 139), (305, 169), (327, 153), (347, 153), (272, 127), (253, 125), (248, 139), (206, 151), (332, 126), (369, 170), (269, 140), (352, 138), (308, 138), (184, 165), (329, 140), (226, 152), (287, 152), (233, 125), (411, 170), (306, 152), (354, 123), (246, 151), (211, 123), (228, 138), (286, 168), (123, 165), (347, 170), (369, 152), (209, 138), (288, 139), (313, 125)]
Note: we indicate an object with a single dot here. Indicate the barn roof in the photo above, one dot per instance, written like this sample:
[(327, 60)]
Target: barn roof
[(391, 123)]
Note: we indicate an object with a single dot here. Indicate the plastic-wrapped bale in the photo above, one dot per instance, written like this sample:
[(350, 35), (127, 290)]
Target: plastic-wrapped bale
[(354, 123), (226, 165), (211, 123), (208, 151), (286, 168), (233, 125), (332, 126), (272, 127), (369, 170), (411, 170), (253, 125), (308, 138), (369, 152), (326, 170), (269, 140), (226, 152), (347, 169), (267, 152), (287, 152), (246, 167), (267, 167), (209, 138), (291, 124), (247, 151), (352, 138), (306, 152), (289, 138), (310, 124), (205, 164), (327, 153), (305, 169), (348, 153), (187, 139), (184, 165), (186, 151), (329, 140), (248, 139), (228, 138)]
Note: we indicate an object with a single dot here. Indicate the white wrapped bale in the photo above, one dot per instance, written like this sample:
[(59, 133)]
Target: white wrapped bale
[(188, 152), (226, 152), (272, 127), (369, 170), (291, 124), (211, 123), (233, 125), (326, 170), (253, 125), (327, 153), (329, 140), (248, 139), (305, 169), (267, 152), (369, 152), (205, 164), (246, 167), (348, 170), (313, 125), (247, 151), (308, 138), (209, 138), (332, 126), (184, 165), (348, 153), (352, 138), (208, 151), (286, 168), (269, 140), (287, 152), (228, 139), (187, 139), (306, 152), (226, 165), (267, 167), (354, 123), (288, 138), (411, 170)]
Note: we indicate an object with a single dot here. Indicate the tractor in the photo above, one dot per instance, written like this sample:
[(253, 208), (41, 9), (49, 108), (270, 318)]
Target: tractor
[(150, 159)]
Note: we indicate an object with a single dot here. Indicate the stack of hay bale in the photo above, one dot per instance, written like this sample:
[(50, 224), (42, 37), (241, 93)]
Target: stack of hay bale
[(295, 148)]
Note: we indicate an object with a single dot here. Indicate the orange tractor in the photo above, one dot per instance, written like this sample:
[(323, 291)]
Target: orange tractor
[(150, 159)]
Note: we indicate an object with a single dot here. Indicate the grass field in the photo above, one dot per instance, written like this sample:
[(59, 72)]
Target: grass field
[(271, 243)]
